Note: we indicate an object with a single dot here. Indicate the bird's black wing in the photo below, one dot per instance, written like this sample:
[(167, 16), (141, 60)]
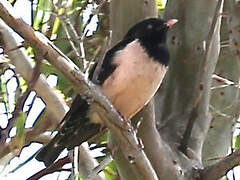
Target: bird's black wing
[(76, 129), (108, 66)]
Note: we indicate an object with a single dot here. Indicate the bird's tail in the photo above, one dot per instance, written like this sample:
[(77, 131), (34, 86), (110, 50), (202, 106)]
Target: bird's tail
[(49, 153), (76, 129)]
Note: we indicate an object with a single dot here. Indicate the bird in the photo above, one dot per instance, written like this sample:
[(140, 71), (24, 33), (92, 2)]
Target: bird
[(130, 74)]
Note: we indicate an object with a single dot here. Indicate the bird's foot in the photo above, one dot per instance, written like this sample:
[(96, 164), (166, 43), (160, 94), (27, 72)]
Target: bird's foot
[(127, 123), (140, 143)]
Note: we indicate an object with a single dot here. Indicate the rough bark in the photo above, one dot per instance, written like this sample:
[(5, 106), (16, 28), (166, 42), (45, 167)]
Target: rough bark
[(194, 53)]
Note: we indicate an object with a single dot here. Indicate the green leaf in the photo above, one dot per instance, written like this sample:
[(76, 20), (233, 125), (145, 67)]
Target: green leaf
[(12, 1), (43, 13), (30, 51), (4, 94), (237, 142), (160, 5), (111, 171), (57, 24), (56, 27), (23, 84), (20, 123)]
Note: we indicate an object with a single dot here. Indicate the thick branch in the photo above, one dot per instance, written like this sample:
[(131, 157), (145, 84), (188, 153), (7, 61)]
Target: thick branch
[(219, 169), (209, 43), (127, 139), (181, 84)]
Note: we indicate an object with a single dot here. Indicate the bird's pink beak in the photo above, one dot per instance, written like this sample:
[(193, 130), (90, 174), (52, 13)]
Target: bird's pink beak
[(171, 22)]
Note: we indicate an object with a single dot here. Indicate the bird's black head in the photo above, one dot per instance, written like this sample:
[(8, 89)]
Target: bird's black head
[(152, 34), (153, 29)]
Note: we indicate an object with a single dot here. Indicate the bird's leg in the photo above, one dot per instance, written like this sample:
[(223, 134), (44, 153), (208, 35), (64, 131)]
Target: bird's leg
[(127, 122), (140, 143)]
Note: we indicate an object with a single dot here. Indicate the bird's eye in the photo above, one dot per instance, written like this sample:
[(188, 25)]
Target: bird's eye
[(149, 26)]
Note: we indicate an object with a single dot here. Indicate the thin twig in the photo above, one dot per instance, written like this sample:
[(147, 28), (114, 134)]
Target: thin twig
[(66, 23), (85, 62), (9, 50), (226, 82), (73, 36), (75, 49), (222, 79), (75, 162), (54, 168), (99, 168), (236, 102), (218, 112)]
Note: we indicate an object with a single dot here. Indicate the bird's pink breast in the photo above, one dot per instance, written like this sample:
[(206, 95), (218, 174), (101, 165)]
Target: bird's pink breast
[(134, 81)]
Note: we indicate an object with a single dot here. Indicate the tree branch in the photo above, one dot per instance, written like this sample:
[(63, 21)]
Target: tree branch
[(193, 116), (100, 167), (127, 139), (12, 148), (220, 168), (54, 168)]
